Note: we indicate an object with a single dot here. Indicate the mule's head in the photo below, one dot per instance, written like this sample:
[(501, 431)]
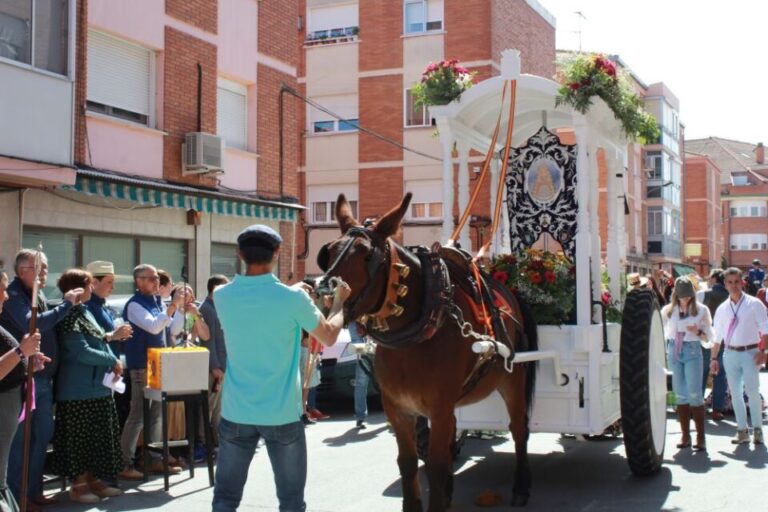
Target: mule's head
[(359, 256)]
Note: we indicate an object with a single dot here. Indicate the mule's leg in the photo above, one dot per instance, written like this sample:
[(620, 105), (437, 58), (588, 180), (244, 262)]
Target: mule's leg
[(513, 392), (407, 460), (440, 460)]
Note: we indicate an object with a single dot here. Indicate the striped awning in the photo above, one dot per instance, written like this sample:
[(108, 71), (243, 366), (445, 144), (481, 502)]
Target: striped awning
[(183, 199)]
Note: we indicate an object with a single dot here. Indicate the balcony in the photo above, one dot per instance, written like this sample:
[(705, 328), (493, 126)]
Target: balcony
[(332, 36)]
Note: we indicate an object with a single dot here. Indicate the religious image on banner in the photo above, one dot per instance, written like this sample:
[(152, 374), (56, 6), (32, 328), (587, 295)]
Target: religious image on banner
[(541, 193)]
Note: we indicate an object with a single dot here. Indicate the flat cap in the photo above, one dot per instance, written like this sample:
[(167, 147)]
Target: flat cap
[(100, 268), (259, 235)]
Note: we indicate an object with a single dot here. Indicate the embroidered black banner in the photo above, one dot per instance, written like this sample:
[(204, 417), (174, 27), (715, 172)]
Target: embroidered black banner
[(541, 193)]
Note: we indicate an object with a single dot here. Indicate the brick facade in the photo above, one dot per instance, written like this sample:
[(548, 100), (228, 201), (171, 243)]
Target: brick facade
[(703, 218), (380, 191), (514, 24), (467, 25), (202, 14), (381, 110), (182, 55), (277, 26), (381, 30)]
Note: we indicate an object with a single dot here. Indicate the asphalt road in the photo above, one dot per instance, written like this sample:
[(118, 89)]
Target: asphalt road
[(351, 470)]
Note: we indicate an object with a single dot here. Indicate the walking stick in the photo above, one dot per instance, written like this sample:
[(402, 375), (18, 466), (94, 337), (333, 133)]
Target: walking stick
[(29, 397)]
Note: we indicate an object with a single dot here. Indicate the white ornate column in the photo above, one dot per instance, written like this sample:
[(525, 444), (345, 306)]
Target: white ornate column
[(583, 297), (463, 151), (594, 222), (494, 237), (614, 194), (504, 235), (446, 142)]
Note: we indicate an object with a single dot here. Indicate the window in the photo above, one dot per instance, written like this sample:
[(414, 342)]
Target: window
[(224, 261), (342, 105), (423, 16), (654, 165), (345, 125), (61, 249), (415, 115), (749, 242), (322, 201), (121, 251), (232, 113), (72, 250), (120, 76), (427, 202), (334, 23), (739, 180), (40, 40), (748, 209), (655, 226)]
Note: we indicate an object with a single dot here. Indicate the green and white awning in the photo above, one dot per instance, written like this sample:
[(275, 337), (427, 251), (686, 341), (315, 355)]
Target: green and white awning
[(184, 199)]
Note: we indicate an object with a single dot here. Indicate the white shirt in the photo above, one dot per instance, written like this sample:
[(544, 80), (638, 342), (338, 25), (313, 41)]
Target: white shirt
[(138, 315), (752, 321), (674, 324)]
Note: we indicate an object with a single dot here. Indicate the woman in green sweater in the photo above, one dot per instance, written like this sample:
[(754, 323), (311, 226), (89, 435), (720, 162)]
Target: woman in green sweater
[(86, 438)]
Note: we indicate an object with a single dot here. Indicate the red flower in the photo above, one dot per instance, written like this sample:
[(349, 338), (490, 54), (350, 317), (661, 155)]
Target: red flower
[(535, 278), (500, 276), (462, 70), (606, 298), (549, 276), (575, 86)]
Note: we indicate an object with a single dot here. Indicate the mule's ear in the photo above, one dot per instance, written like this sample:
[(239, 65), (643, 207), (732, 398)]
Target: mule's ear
[(390, 222), (344, 214)]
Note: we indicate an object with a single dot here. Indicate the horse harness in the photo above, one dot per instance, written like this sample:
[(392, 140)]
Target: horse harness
[(438, 305)]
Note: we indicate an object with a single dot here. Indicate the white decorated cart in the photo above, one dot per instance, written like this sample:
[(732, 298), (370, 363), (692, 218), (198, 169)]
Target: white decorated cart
[(591, 374)]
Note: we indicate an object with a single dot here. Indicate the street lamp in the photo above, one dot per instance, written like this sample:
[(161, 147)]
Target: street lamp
[(658, 187)]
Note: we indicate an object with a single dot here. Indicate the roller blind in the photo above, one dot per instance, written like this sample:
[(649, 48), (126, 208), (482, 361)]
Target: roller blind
[(119, 73), (231, 113)]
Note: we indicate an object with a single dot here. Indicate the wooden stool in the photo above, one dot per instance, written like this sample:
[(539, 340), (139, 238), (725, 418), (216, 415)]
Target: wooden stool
[(190, 398)]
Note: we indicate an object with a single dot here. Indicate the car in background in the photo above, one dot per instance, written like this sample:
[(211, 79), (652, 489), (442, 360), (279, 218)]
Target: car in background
[(339, 363)]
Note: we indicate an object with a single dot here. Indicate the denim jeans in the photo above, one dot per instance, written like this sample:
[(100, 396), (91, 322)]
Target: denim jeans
[(287, 450), (361, 392), (42, 432), (742, 372), (719, 382), (686, 373)]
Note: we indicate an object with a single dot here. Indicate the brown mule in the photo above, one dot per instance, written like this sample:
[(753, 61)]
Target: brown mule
[(421, 376)]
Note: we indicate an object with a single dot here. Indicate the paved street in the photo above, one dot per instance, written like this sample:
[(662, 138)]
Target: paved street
[(354, 470)]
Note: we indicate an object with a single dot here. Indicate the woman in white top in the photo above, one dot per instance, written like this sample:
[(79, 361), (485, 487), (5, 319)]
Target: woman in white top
[(686, 323)]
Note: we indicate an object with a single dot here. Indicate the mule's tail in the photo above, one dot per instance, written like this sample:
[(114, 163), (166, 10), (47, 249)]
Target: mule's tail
[(532, 335)]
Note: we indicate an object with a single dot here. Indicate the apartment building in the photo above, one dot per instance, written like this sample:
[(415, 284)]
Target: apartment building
[(703, 248), (155, 128), (744, 197), (360, 60)]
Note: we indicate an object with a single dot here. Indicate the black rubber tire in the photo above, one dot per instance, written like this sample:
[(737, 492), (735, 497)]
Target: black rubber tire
[(642, 455)]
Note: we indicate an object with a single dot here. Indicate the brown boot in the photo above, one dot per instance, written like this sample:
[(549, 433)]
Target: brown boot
[(684, 417), (699, 415)]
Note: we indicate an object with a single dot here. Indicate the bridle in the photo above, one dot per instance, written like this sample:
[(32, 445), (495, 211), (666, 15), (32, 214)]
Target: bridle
[(374, 261)]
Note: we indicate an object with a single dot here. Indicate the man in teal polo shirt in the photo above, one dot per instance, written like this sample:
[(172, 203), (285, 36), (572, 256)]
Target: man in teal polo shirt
[(261, 396)]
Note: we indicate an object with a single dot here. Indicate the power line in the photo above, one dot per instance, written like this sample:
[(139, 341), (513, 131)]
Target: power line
[(370, 132)]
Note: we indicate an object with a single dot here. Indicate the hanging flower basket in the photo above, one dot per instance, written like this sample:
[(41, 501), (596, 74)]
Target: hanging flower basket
[(583, 76), (441, 83)]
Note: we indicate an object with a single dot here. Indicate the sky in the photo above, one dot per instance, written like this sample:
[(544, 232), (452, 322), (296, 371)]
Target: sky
[(713, 55)]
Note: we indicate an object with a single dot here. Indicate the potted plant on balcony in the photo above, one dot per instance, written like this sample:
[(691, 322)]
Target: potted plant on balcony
[(441, 83)]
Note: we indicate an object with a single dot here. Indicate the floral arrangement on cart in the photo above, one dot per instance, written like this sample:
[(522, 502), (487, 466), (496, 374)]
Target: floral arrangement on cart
[(583, 76), (547, 282), (441, 83)]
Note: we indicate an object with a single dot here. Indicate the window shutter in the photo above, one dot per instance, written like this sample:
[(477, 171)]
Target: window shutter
[(231, 113), (118, 73)]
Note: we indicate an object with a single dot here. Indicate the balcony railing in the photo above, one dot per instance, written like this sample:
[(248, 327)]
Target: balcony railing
[(334, 35)]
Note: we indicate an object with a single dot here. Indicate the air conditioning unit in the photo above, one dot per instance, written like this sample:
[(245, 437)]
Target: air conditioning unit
[(202, 153)]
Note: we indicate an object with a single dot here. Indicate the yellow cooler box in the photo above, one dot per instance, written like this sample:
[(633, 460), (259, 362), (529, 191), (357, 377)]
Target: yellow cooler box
[(177, 369)]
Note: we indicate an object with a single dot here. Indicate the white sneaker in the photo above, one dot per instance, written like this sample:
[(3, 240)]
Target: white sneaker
[(742, 437)]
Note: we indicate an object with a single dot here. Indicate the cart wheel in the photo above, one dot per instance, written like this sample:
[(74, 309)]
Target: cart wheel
[(422, 439), (643, 383)]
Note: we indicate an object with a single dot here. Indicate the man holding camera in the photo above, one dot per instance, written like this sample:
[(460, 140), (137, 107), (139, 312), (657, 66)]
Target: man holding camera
[(261, 396)]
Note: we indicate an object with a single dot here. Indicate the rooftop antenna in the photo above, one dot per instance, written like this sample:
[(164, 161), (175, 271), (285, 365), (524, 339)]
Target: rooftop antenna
[(581, 18)]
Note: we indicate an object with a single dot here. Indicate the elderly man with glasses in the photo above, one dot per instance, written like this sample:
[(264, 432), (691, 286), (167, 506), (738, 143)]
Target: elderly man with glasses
[(148, 318), (15, 319)]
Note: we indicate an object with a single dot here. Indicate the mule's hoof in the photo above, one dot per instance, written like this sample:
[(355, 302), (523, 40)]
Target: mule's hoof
[(520, 500)]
